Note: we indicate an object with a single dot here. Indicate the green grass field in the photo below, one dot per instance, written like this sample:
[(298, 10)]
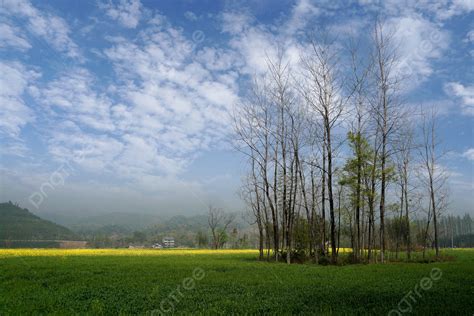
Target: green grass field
[(110, 282)]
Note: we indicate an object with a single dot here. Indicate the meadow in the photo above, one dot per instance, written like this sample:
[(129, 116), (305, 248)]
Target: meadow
[(136, 281)]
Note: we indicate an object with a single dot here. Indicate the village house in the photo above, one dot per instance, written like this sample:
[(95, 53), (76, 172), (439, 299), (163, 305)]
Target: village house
[(168, 242)]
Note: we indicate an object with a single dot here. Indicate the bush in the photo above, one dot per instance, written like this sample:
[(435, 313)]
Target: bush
[(297, 256), (350, 258), (324, 260)]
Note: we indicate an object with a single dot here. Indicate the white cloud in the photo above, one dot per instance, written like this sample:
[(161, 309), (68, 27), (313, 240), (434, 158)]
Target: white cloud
[(153, 160), (301, 13), (170, 97), (350, 28), (127, 12), (92, 152), (191, 16), (464, 93), (235, 22), (469, 154), (439, 10), (164, 108), (469, 37), (454, 8), (254, 45), (174, 105), (14, 113), (47, 26), (73, 95), (421, 42), (12, 37), (218, 59)]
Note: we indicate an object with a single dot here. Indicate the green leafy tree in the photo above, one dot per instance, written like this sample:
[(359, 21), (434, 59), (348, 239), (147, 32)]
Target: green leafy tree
[(360, 173), (355, 171)]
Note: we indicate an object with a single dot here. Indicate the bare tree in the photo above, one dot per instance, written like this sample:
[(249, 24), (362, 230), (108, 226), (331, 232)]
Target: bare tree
[(435, 176), (279, 93), (252, 194), (268, 125), (253, 125), (322, 90), (218, 222), (385, 110), (288, 128), (358, 85), (405, 145)]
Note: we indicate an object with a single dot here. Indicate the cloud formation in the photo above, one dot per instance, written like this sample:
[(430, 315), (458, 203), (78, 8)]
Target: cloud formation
[(127, 12), (14, 113), (147, 96), (464, 94), (469, 154), (12, 37), (43, 25)]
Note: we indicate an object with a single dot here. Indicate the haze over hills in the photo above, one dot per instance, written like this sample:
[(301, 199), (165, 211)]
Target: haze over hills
[(128, 221), (118, 229), (21, 228), (123, 229), (18, 223)]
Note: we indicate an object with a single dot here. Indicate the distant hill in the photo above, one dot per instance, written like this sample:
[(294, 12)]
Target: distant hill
[(118, 229), (181, 222), (195, 223), (18, 223), (125, 221)]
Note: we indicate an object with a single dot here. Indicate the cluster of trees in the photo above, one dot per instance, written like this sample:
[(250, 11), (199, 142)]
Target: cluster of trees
[(334, 155), (456, 231)]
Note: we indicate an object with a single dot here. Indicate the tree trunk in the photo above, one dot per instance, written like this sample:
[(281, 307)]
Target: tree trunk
[(323, 198), (330, 196), (408, 237), (382, 202)]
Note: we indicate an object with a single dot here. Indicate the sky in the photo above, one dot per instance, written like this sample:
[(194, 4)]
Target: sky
[(124, 106)]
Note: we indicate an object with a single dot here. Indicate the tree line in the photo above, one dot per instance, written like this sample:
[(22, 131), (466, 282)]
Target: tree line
[(335, 156)]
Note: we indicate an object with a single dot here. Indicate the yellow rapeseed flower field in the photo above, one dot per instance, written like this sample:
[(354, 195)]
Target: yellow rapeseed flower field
[(28, 252), (121, 252), (127, 252)]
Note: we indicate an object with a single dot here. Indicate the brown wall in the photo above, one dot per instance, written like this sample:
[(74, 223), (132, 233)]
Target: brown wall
[(72, 244)]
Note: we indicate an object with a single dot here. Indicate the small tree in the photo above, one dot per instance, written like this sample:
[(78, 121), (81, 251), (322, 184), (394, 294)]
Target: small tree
[(201, 239), (356, 169)]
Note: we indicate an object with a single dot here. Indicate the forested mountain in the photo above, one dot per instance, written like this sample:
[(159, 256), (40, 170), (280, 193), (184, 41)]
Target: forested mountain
[(17, 223)]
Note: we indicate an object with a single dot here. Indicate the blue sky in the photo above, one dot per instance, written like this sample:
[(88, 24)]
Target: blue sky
[(124, 105)]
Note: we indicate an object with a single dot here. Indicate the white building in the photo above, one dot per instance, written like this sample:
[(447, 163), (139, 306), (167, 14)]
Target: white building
[(168, 242)]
